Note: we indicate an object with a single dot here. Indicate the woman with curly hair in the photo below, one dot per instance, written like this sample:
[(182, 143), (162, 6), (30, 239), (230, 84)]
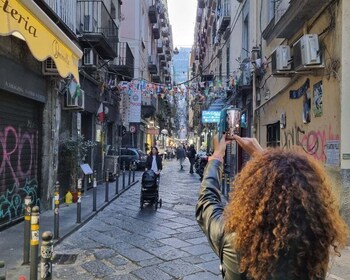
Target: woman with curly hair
[(282, 218)]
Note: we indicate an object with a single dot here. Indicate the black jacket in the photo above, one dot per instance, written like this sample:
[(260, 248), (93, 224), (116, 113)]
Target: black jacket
[(158, 160), (209, 214)]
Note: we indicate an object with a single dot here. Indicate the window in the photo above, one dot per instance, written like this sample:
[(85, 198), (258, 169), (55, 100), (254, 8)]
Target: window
[(271, 9), (245, 32), (228, 65), (273, 135)]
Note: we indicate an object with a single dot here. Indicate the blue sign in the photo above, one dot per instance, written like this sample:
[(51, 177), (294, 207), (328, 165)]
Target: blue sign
[(211, 116)]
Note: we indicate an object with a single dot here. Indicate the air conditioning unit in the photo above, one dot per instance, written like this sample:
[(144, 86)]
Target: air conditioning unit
[(49, 67), (74, 101), (281, 59), (88, 58), (307, 53)]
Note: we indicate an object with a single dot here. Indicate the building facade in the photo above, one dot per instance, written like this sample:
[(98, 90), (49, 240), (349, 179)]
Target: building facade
[(284, 65)]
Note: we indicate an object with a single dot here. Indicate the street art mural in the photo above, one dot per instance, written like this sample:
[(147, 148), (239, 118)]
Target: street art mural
[(18, 170), (322, 144)]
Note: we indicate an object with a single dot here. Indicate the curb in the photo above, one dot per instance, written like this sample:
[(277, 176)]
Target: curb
[(58, 241)]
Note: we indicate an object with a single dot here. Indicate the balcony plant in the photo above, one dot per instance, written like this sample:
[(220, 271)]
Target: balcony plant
[(74, 151)]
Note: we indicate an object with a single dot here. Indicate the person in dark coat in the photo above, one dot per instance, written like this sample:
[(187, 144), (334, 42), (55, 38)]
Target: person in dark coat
[(282, 220), (191, 154), (154, 161)]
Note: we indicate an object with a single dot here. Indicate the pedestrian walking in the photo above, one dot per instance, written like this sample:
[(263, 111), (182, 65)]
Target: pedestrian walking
[(281, 222), (181, 155), (154, 161), (191, 154)]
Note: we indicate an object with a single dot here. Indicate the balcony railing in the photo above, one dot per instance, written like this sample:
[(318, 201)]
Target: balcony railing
[(152, 64), (152, 14), (124, 63), (224, 12), (97, 26), (66, 10)]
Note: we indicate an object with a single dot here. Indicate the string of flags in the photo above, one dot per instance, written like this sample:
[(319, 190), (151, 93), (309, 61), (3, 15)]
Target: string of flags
[(206, 89)]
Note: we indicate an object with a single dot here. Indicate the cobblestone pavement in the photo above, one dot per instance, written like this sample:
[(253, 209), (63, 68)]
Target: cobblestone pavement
[(125, 242)]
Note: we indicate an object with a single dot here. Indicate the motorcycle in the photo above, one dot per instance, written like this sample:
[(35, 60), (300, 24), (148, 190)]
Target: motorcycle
[(200, 164)]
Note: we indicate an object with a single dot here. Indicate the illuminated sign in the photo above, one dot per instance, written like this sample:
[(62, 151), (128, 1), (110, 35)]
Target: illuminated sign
[(211, 116)]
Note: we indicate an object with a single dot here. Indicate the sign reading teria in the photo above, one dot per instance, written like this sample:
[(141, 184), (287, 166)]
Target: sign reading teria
[(135, 107)]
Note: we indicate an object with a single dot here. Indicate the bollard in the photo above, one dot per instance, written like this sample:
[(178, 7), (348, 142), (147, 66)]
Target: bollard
[(117, 183), (133, 173), (129, 179), (56, 211), (94, 192), (80, 181), (34, 243), (26, 244), (2, 265), (46, 256), (107, 185), (124, 178)]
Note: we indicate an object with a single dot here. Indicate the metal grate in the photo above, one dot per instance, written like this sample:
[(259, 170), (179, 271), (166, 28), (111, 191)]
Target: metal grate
[(65, 258)]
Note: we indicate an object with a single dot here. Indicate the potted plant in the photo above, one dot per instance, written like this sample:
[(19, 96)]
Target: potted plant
[(75, 150)]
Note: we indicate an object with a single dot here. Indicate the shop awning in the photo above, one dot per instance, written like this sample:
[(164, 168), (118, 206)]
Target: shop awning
[(43, 37)]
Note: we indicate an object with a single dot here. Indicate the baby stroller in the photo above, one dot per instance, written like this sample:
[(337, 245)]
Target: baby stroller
[(150, 189)]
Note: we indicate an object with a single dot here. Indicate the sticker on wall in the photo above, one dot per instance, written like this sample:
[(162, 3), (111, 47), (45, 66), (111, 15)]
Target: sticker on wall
[(317, 106), (295, 94), (333, 152), (306, 107)]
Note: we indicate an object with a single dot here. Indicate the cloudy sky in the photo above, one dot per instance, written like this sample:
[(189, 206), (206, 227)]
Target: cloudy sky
[(182, 16)]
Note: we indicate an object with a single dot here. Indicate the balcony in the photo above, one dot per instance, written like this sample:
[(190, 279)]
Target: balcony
[(152, 14), (97, 28), (167, 79), (165, 32), (148, 106), (155, 78), (161, 57), (159, 46), (152, 64), (155, 31), (224, 16), (201, 4), (293, 19), (199, 15), (167, 50), (124, 63)]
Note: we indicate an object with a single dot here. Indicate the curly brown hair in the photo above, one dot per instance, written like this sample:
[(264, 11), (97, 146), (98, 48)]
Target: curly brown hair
[(285, 217)]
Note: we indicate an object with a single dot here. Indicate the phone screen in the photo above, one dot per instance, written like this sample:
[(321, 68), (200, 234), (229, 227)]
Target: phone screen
[(233, 120)]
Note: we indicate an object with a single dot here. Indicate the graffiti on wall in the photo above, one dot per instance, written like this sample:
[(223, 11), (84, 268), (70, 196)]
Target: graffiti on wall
[(314, 142), (18, 170)]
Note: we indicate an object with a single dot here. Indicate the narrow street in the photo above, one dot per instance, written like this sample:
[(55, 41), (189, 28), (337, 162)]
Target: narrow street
[(124, 242)]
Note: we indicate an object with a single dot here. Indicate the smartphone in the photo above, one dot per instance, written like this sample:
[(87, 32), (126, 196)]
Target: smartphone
[(230, 122)]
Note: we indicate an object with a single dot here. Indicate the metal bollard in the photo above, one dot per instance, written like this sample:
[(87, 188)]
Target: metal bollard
[(2, 265), (124, 178), (56, 211), (133, 173), (107, 186), (80, 182), (46, 256), (94, 192), (34, 243), (129, 179), (117, 183), (26, 244)]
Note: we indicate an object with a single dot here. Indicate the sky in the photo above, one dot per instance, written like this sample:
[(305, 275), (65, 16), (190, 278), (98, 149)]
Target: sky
[(182, 17)]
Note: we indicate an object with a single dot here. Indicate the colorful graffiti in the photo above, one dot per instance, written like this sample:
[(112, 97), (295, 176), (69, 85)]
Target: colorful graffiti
[(313, 142), (18, 170)]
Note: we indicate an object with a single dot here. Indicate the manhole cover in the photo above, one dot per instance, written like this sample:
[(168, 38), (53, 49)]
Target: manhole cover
[(65, 258)]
